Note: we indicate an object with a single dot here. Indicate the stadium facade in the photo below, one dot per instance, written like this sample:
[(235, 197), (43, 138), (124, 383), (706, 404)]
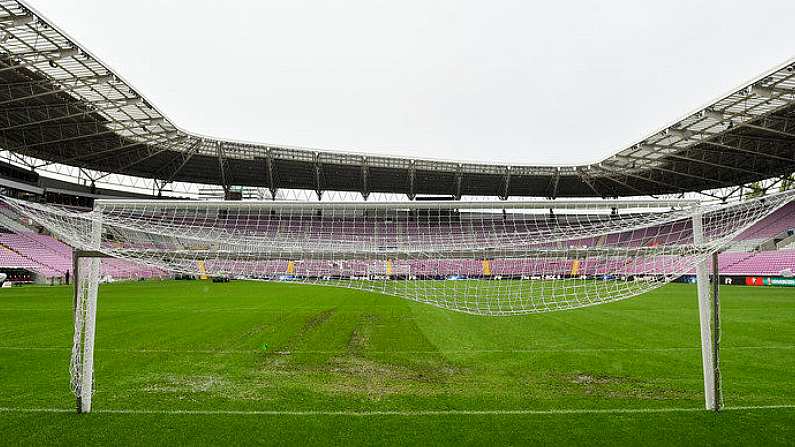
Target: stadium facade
[(68, 116)]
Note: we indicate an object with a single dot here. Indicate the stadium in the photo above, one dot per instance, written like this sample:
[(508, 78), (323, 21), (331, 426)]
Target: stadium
[(160, 285)]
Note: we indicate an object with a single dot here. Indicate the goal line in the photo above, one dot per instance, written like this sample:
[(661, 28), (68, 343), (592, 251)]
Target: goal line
[(403, 413)]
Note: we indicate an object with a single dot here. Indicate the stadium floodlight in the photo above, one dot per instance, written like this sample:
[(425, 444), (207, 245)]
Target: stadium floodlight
[(482, 258)]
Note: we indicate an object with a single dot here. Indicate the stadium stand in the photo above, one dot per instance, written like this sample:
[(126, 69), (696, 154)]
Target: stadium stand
[(47, 259), (765, 231), (762, 263)]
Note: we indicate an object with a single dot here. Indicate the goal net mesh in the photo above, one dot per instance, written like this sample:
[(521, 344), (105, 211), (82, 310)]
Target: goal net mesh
[(486, 258)]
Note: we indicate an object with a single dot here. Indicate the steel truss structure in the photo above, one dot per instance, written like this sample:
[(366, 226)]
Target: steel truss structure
[(61, 107)]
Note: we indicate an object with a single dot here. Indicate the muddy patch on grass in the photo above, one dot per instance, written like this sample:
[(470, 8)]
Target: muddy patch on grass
[(623, 387), (359, 368), (587, 379), (188, 387), (375, 380), (361, 334), (185, 384), (374, 376), (357, 375)]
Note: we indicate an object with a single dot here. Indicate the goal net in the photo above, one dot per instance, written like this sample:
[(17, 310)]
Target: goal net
[(483, 258), (486, 258)]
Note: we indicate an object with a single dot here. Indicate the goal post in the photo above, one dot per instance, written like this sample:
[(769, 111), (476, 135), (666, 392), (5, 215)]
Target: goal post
[(86, 274), (709, 318), (482, 258)]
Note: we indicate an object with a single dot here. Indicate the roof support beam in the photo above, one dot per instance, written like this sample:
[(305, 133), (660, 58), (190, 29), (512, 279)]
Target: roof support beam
[(112, 125), (222, 165), (717, 165), (584, 177), (611, 173), (318, 189), (506, 183), (139, 160), (747, 151), (459, 179), (625, 185), (169, 136), (21, 158), (610, 176), (185, 156), (45, 121), (64, 140), (553, 185), (50, 57), (686, 174), (47, 84), (768, 129), (150, 121), (269, 173), (365, 175), (131, 129), (93, 185), (52, 92), (412, 177), (695, 160)]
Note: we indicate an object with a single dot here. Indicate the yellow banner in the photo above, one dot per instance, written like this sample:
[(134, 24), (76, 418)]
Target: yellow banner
[(487, 267), (202, 269), (575, 266)]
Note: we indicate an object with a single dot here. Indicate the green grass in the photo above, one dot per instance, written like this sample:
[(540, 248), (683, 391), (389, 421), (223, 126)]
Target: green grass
[(279, 347)]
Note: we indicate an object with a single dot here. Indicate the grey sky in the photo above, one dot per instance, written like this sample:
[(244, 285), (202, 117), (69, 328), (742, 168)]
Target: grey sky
[(518, 81)]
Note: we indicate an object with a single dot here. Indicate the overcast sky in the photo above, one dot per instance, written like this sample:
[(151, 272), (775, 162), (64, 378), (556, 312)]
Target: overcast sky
[(517, 81)]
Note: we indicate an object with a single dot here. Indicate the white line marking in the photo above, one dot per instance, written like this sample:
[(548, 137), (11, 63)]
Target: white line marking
[(401, 413)]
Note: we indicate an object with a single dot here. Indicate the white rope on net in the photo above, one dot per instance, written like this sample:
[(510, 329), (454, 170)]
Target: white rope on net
[(485, 258)]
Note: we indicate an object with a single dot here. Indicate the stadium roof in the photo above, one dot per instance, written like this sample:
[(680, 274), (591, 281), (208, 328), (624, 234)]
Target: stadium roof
[(60, 104)]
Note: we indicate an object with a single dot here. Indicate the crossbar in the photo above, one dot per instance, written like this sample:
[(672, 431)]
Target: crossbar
[(413, 205)]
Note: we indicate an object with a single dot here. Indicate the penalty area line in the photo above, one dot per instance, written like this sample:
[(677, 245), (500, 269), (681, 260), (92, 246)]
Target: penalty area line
[(552, 412)]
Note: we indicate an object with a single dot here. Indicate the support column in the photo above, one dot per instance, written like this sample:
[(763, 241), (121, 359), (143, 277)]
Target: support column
[(704, 311), (86, 274)]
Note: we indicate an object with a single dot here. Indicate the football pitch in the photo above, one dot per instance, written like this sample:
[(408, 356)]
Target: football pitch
[(194, 362)]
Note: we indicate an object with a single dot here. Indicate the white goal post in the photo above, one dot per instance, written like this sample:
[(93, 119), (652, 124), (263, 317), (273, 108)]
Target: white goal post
[(484, 258)]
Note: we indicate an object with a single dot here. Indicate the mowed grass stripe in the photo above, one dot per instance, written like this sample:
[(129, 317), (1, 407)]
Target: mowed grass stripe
[(473, 351)]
